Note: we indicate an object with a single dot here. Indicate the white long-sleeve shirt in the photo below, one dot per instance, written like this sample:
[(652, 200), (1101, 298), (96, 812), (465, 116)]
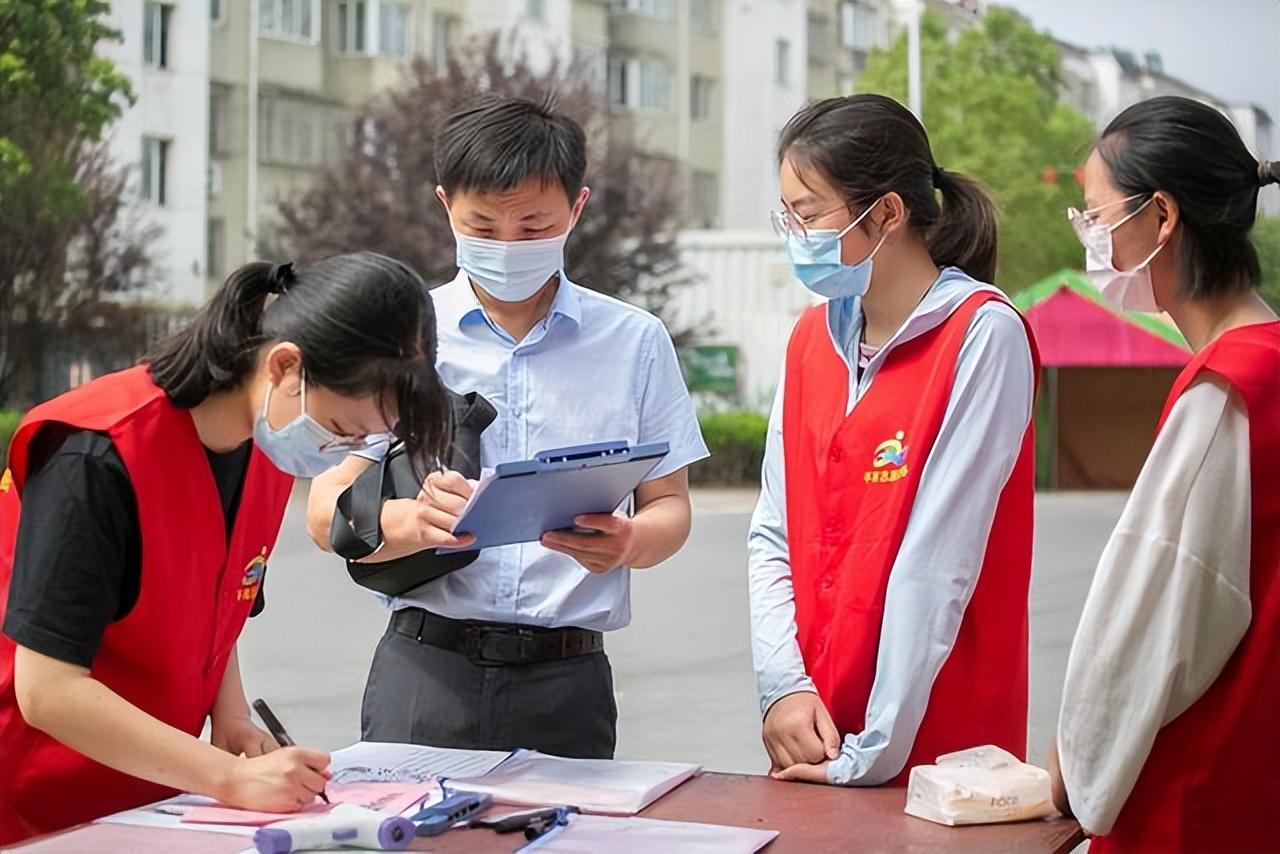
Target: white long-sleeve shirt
[(1168, 605), (943, 546)]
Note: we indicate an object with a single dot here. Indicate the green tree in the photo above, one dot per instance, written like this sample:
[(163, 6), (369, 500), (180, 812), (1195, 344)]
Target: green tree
[(68, 235), (1266, 237), (992, 110)]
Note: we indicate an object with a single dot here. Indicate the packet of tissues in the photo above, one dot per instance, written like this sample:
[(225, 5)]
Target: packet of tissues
[(983, 785)]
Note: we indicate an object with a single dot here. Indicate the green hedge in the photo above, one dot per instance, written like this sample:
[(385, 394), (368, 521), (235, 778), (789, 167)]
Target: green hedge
[(9, 419), (736, 442)]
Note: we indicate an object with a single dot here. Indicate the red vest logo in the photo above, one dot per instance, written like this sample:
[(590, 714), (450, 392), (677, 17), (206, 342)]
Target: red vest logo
[(251, 581), (6, 480), (889, 463)]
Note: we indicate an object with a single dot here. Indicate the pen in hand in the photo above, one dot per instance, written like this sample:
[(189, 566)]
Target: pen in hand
[(277, 731)]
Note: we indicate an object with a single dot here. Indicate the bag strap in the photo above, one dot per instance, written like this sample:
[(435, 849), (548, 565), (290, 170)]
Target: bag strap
[(356, 530)]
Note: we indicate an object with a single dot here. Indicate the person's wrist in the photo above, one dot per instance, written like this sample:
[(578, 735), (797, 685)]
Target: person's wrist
[(219, 779)]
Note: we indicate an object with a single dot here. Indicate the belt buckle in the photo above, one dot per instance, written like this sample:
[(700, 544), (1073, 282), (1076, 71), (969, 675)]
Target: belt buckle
[(490, 646)]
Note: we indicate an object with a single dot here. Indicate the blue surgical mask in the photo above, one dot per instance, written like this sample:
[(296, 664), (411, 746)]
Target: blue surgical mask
[(510, 270), (816, 261), (302, 448)]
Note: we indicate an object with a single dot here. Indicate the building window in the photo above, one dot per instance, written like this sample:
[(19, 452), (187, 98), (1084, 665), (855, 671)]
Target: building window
[(443, 37), (216, 248), (394, 29), (701, 97), (155, 169), (289, 133), (704, 199), (291, 20), (702, 14), (655, 85), (536, 10), (663, 10), (782, 62), (218, 96), (858, 24), (155, 34), (348, 31), (821, 40), (621, 71)]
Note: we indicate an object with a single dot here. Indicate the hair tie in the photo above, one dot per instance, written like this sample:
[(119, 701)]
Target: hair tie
[(937, 175), (280, 277), (1268, 173)]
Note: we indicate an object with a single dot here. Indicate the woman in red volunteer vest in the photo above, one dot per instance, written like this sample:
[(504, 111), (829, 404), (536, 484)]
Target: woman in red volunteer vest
[(890, 553), (1169, 734), (137, 517)]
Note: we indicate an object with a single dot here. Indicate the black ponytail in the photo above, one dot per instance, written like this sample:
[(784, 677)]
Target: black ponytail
[(1193, 153), (870, 145), (364, 322), (217, 350), (964, 235)]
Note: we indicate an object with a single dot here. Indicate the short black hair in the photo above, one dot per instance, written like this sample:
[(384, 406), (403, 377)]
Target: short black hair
[(1194, 154), (500, 143)]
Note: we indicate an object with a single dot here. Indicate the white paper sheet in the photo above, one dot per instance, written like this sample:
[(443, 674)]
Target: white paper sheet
[(591, 834), (593, 785), (377, 762)]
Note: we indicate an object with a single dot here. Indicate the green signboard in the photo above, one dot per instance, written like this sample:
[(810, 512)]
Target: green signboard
[(711, 368)]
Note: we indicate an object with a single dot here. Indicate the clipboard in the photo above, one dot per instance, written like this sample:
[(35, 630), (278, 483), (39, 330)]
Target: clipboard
[(519, 502)]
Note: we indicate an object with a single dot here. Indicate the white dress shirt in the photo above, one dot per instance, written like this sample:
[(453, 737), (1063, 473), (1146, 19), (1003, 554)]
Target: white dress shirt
[(595, 369)]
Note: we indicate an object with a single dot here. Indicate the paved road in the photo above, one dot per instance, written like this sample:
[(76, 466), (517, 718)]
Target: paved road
[(683, 669)]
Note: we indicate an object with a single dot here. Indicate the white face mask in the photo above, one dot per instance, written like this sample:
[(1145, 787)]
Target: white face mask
[(510, 271), (1129, 290), (302, 448)]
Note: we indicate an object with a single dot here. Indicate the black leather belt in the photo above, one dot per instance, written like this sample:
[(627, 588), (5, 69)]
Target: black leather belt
[(495, 643)]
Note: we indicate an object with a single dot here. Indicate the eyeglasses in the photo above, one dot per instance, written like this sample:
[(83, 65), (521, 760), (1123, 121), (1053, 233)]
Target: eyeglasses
[(1094, 235), (787, 222)]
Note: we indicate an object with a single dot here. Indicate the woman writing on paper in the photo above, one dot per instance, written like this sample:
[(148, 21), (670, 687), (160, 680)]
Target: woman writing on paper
[(136, 519), (890, 553), (1167, 734)]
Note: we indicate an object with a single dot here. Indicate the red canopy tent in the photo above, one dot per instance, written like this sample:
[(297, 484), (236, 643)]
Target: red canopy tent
[(1106, 374)]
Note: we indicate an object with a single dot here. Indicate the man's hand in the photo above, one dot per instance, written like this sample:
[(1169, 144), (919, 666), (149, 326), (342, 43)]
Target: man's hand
[(610, 547), (426, 522), (799, 731), (239, 736)]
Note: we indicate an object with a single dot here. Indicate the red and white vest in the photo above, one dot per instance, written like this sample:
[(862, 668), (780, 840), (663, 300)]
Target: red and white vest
[(1213, 774), (168, 655), (851, 480)]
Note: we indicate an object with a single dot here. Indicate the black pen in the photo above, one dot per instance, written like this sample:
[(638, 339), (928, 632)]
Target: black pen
[(277, 731)]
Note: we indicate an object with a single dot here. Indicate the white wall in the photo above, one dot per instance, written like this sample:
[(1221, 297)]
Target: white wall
[(755, 106), (744, 282), (172, 103)]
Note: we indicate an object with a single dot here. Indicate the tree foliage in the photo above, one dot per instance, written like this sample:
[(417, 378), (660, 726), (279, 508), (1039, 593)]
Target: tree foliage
[(381, 196), (70, 236), (992, 109)]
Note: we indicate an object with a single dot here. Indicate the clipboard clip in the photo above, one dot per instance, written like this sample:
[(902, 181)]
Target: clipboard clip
[(583, 452)]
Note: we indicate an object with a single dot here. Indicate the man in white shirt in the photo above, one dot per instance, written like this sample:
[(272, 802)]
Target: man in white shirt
[(508, 652)]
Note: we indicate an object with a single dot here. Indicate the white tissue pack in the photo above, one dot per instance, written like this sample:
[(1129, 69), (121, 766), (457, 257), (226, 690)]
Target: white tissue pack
[(983, 785)]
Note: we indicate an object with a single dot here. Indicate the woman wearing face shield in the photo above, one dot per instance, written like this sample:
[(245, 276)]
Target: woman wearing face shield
[(137, 515), (890, 553), (1167, 736)]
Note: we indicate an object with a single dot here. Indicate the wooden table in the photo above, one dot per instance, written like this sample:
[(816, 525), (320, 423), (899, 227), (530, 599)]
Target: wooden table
[(810, 818)]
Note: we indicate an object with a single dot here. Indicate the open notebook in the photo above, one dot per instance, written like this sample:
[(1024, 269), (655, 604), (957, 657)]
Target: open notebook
[(606, 787)]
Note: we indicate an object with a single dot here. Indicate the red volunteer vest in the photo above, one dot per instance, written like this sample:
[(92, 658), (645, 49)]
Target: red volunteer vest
[(851, 483), (1213, 775), (167, 656)]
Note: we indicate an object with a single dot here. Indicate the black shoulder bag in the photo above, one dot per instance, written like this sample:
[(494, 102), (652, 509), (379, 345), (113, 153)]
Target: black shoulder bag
[(356, 531)]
